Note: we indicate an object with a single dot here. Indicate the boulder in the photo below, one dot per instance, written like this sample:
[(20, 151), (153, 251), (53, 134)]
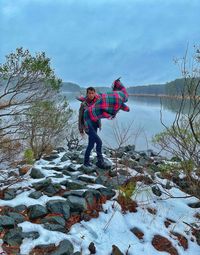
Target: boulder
[(59, 206), (36, 173), (36, 211)]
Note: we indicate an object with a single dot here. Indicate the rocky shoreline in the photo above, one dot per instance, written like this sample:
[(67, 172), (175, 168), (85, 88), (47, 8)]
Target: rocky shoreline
[(70, 193)]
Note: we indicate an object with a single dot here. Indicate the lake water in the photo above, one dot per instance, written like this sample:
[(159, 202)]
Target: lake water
[(143, 121)]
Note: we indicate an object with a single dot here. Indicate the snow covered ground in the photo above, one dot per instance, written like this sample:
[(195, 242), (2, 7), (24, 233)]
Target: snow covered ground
[(113, 227)]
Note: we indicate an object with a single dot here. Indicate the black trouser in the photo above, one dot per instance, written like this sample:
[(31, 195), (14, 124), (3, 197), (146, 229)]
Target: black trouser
[(92, 139)]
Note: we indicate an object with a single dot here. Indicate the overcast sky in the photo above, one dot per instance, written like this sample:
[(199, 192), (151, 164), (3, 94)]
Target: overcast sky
[(93, 42)]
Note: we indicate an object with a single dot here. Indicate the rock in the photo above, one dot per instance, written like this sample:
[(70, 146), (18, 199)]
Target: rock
[(42, 184), (116, 250), (145, 161), (18, 218), (52, 189), (137, 232), (64, 248), (78, 193), (87, 170), (10, 194), (57, 175), (161, 243), (59, 206), (77, 253), (31, 234), (194, 205), (129, 148), (134, 155), (85, 178), (107, 192), (71, 168), (139, 169), (14, 236), (77, 204), (20, 208), (35, 194), (54, 220), (92, 197), (60, 149), (7, 221), (51, 157), (36, 211), (55, 227), (92, 248), (64, 158), (156, 191), (73, 184), (36, 173)]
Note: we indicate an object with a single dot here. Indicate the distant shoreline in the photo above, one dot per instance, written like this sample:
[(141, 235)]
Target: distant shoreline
[(162, 96)]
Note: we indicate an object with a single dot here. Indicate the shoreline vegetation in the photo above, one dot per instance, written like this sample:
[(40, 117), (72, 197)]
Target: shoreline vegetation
[(163, 96)]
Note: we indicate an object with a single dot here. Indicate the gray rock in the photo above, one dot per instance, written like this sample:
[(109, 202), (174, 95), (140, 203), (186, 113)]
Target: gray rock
[(74, 184), (107, 192), (60, 149), (31, 234), (77, 253), (59, 206), (88, 179), (64, 248), (36, 173), (55, 227), (145, 161), (42, 184), (71, 168), (77, 204), (194, 205), (14, 236), (36, 211), (19, 208), (80, 159), (65, 172), (54, 220), (91, 196), (64, 158), (134, 155), (111, 183), (57, 175), (78, 193), (51, 157), (35, 194), (7, 221), (10, 194), (18, 218), (52, 189), (129, 148), (87, 170), (139, 169), (156, 191)]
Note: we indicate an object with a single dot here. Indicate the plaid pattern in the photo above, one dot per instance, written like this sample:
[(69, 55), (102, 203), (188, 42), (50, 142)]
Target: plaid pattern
[(108, 104)]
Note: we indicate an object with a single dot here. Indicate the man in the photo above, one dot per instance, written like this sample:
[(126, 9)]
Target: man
[(107, 105), (93, 138)]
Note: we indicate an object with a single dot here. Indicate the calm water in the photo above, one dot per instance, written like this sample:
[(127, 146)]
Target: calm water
[(143, 120)]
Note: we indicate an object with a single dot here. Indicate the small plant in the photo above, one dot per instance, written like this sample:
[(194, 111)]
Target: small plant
[(29, 156)]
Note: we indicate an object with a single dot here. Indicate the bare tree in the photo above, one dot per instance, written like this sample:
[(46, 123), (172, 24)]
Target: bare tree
[(182, 138), (24, 79)]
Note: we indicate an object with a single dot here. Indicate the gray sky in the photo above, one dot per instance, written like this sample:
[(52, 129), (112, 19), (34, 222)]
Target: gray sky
[(93, 42)]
